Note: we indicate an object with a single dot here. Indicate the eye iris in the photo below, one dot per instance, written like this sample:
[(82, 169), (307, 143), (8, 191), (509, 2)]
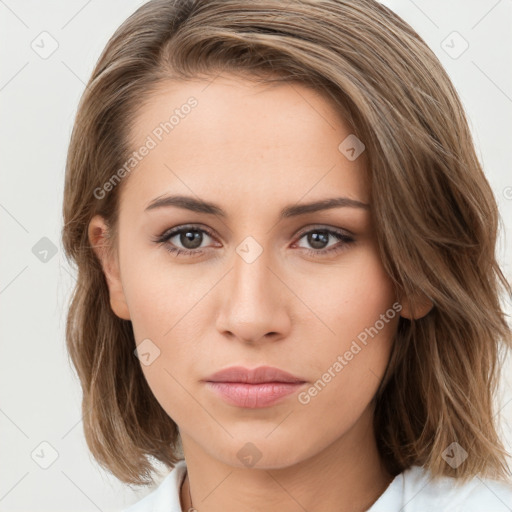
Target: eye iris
[(317, 239), (193, 236)]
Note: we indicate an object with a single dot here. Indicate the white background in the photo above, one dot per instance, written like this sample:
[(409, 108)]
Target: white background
[(39, 393)]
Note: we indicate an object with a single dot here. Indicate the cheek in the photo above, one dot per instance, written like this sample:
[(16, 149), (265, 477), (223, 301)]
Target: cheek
[(350, 297), (165, 305), (156, 289), (348, 374), (350, 360)]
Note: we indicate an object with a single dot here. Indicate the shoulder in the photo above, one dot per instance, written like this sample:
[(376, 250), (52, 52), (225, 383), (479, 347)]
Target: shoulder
[(166, 496), (416, 490)]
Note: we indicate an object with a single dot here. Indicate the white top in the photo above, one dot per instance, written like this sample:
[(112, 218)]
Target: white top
[(410, 491)]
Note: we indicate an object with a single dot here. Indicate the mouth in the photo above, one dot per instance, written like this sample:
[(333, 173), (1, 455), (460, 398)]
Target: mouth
[(253, 388)]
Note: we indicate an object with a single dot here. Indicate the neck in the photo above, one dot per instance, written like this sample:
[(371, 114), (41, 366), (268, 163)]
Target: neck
[(348, 475)]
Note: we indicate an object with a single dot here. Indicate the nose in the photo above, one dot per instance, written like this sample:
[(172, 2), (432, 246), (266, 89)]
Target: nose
[(255, 302)]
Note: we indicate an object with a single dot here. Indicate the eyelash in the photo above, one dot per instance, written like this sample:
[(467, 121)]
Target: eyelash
[(167, 235)]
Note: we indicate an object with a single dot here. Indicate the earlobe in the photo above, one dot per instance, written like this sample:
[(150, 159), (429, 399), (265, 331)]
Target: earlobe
[(421, 307), (99, 239)]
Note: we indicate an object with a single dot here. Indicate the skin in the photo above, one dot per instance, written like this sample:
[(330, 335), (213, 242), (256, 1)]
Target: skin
[(254, 149)]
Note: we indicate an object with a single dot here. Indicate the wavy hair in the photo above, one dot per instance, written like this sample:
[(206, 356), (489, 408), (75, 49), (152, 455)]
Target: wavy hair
[(434, 213)]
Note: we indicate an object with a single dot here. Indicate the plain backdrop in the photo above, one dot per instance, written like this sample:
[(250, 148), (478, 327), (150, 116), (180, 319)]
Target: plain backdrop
[(40, 415)]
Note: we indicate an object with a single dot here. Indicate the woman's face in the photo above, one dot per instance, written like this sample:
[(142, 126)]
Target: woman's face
[(258, 288)]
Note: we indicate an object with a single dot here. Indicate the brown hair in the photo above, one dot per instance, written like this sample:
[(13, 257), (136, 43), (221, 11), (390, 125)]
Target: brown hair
[(434, 214)]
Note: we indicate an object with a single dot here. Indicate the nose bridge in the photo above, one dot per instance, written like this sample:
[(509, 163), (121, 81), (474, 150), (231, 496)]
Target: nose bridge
[(251, 273), (253, 305)]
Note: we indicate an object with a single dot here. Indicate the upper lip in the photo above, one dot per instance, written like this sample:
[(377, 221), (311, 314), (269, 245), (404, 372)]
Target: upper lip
[(253, 376)]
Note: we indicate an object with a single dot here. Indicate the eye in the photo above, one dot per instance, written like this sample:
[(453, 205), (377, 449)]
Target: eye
[(318, 238), (190, 237)]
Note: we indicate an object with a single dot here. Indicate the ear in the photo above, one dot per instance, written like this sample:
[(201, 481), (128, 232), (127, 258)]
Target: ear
[(98, 234), (417, 307)]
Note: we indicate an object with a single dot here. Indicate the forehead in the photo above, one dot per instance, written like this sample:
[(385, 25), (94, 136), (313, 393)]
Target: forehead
[(229, 134)]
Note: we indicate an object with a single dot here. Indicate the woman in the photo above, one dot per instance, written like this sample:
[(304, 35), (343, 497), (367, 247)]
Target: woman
[(287, 287)]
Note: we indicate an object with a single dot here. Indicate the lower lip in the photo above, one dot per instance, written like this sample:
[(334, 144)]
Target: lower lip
[(254, 396)]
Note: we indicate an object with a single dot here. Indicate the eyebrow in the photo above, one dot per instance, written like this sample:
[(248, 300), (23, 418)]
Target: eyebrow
[(200, 206)]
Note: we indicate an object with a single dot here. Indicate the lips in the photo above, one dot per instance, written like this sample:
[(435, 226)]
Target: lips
[(258, 375), (253, 388)]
